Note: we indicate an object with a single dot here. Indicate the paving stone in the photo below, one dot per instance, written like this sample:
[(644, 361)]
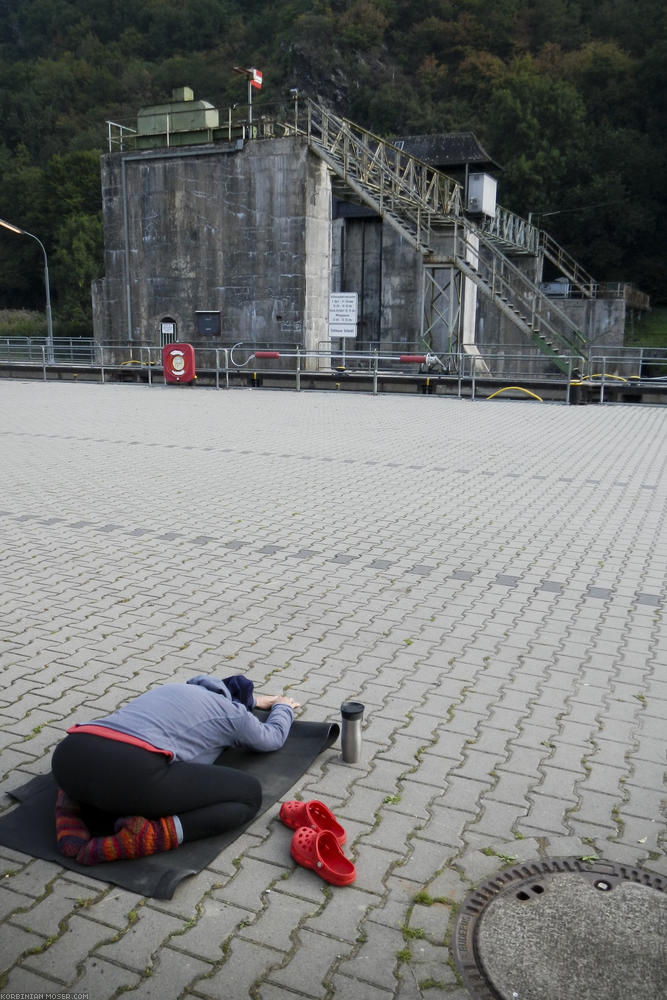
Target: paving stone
[(141, 938), (309, 967), (247, 963), (598, 808), (44, 916), (414, 799), (476, 865), (344, 914), (376, 959), (428, 964), (546, 816), (250, 882), (374, 864), (31, 878), (427, 855), (215, 921), (345, 988), (497, 819), (446, 825), (277, 925), (62, 958), (22, 981)]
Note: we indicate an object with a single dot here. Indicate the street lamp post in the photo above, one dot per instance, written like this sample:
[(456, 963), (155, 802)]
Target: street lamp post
[(49, 322)]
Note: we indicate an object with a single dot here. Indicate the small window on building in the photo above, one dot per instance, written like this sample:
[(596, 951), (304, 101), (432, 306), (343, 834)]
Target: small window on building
[(207, 323)]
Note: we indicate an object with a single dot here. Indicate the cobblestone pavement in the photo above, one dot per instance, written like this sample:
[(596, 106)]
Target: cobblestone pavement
[(487, 577)]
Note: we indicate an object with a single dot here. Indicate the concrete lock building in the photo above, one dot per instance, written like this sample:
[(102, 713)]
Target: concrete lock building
[(221, 229)]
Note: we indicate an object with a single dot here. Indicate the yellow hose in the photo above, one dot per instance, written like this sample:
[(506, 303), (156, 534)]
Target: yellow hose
[(518, 388)]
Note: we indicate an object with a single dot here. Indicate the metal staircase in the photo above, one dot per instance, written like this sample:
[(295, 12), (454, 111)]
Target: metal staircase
[(425, 207), (568, 266)]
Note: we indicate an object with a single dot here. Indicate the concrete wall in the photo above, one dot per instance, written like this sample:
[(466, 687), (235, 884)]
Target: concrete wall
[(240, 230), (602, 320)]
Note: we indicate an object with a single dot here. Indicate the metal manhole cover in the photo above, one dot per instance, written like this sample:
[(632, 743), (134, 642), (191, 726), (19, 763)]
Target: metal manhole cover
[(564, 929)]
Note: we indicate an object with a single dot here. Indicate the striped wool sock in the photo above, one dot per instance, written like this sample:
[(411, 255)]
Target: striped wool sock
[(134, 837), (72, 834)]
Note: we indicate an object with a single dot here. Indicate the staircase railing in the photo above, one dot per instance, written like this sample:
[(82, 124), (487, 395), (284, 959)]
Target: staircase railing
[(515, 294), (398, 184), (418, 200), (511, 230), (568, 266)]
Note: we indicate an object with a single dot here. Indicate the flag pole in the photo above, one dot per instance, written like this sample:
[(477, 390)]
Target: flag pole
[(254, 78)]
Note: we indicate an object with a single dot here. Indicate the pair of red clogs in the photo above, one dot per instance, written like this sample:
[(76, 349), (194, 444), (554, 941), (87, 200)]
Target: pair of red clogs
[(318, 840)]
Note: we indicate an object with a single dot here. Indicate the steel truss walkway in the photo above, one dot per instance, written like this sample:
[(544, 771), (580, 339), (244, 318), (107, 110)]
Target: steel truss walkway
[(426, 208)]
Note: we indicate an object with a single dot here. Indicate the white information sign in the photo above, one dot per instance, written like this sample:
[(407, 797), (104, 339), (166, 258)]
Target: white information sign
[(343, 330), (343, 314)]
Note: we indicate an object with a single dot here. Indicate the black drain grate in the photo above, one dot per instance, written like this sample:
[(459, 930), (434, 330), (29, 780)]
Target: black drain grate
[(523, 885)]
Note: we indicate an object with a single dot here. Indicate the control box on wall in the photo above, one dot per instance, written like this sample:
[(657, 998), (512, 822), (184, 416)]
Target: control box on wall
[(481, 194)]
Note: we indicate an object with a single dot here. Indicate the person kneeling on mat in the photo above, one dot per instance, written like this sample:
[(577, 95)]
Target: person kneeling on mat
[(151, 764)]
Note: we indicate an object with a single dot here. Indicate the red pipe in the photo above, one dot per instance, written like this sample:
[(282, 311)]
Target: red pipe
[(417, 358), (267, 354)]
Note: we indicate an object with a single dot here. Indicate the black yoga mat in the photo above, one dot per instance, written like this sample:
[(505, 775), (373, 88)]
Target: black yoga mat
[(30, 828)]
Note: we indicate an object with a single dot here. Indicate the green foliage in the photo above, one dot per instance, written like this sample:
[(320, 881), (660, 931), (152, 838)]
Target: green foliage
[(569, 96), (22, 323), (537, 129), (650, 329)]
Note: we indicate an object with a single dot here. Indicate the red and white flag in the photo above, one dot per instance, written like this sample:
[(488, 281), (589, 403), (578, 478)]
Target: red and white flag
[(255, 78)]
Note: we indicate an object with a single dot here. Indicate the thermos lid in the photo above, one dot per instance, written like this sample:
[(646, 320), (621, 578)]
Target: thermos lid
[(352, 709)]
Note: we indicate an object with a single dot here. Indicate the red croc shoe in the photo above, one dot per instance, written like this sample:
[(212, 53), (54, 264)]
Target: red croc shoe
[(321, 851), (313, 814)]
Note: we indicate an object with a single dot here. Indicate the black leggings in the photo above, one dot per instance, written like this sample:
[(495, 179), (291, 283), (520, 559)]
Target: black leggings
[(124, 780)]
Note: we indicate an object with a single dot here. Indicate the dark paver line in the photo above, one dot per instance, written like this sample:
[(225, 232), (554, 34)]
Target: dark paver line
[(342, 558)]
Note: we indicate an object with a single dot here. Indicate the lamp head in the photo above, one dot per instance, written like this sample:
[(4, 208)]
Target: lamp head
[(12, 229)]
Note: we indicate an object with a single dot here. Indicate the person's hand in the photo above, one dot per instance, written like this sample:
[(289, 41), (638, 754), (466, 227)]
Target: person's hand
[(287, 701), (265, 701)]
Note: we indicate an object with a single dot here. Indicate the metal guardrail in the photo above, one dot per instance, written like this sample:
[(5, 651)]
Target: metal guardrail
[(565, 262), (461, 373), (450, 374), (511, 230), (66, 350), (85, 352)]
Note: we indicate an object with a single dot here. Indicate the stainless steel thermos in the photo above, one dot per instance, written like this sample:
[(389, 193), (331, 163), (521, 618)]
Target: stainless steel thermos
[(350, 738)]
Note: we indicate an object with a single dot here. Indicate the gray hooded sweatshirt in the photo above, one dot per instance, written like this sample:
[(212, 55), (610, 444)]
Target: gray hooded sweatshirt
[(197, 720)]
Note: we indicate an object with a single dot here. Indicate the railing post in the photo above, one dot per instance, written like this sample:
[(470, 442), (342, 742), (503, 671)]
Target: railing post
[(298, 370), (569, 381), (43, 364), (375, 371), (150, 374)]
